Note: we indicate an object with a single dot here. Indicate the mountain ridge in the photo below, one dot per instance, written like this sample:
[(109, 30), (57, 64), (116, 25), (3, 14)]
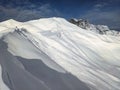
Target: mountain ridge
[(54, 45), (101, 29)]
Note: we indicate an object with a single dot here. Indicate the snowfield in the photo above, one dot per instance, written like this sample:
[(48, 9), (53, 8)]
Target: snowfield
[(53, 54)]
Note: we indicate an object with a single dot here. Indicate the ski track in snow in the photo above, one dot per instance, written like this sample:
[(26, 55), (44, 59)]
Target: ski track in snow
[(92, 58)]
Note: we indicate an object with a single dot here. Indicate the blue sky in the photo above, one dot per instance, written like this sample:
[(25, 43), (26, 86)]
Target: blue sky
[(96, 11)]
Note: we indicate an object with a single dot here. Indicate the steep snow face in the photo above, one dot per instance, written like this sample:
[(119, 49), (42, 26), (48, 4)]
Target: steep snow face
[(65, 48)]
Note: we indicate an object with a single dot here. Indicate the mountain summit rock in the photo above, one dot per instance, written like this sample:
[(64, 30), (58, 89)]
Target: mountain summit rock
[(101, 29)]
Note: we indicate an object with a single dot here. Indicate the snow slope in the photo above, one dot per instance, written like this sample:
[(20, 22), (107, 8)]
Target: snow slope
[(53, 54)]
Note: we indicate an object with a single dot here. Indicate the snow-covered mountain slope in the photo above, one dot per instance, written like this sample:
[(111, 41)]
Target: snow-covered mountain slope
[(53, 54), (101, 29)]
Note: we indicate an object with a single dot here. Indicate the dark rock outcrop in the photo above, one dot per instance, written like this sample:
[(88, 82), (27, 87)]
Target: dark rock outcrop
[(101, 29)]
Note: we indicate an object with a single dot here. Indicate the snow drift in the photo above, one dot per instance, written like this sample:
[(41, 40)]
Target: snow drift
[(53, 54)]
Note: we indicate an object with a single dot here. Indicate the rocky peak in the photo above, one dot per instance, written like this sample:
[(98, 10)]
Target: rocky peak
[(101, 29), (80, 22)]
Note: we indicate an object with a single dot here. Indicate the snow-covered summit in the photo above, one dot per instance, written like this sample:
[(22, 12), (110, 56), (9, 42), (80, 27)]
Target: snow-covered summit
[(53, 54)]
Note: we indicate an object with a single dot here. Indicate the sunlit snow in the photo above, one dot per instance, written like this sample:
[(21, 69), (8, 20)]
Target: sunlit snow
[(66, 48)]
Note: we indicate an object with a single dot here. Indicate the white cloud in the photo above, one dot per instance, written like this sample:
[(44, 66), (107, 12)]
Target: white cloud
[(98, 15), (28, 12)]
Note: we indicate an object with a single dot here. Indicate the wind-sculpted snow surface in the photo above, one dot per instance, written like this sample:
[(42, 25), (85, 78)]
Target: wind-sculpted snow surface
[(53, 54)]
